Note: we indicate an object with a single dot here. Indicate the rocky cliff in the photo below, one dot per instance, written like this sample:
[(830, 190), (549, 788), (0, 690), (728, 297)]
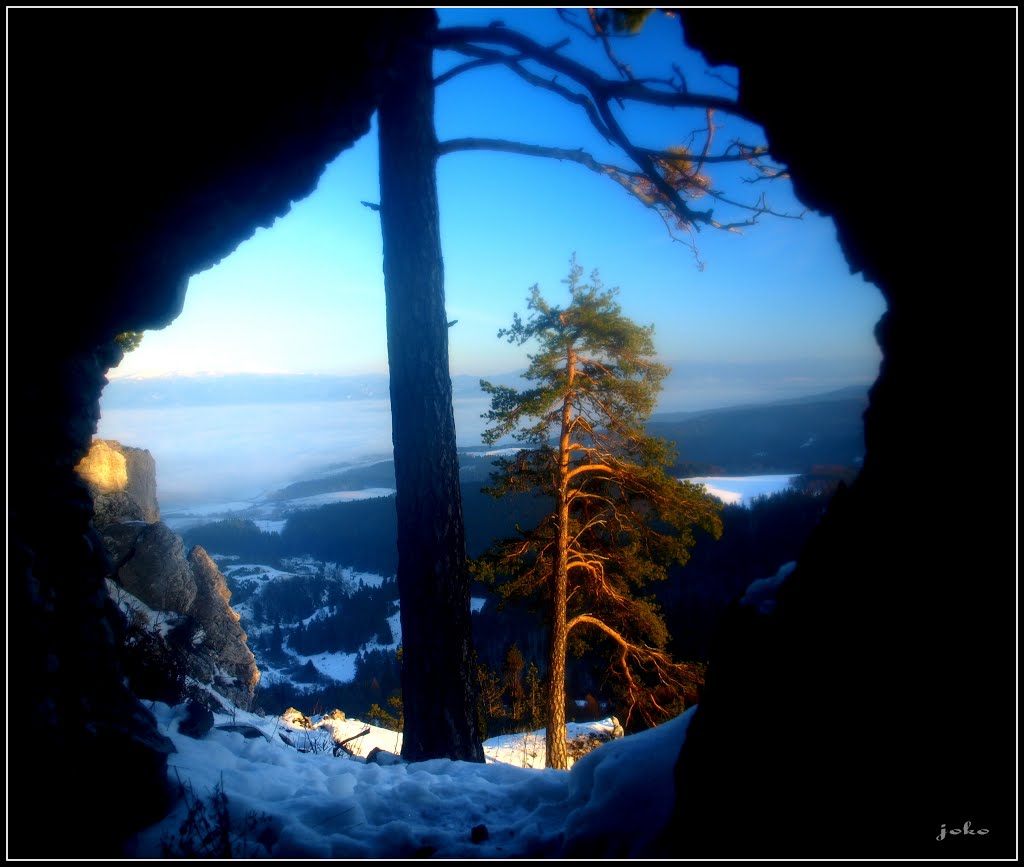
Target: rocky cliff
[(274, 109), (205, 646), (121, 479)]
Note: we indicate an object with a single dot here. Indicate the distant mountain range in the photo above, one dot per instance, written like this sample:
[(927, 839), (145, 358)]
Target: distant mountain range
[(786, 436), (789, 435), (259, 388), (701, 386), (852, 392)]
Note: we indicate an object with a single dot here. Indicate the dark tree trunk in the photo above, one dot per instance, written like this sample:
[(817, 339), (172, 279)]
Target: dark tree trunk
[(438, 687)]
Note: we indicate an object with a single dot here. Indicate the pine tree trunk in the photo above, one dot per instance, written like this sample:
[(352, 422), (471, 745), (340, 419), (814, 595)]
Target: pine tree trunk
[(438, 684), (557, 755)]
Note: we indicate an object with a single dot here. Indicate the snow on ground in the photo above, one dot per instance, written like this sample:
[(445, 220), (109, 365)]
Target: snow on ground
[(395, 622), (610, 804), (266, 515), (134, 608), (245, 572), (205, 509), (740, 490), (761, 594), (356, 579), (495, 453), (337, 666), (339, 497), (271, 526)]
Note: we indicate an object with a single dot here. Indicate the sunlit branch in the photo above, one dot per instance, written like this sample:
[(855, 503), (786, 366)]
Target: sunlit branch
[(579, 494), (667, 671), (587, 468)]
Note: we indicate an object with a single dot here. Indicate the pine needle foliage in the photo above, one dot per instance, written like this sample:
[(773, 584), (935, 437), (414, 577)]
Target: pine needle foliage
[(617, 519)]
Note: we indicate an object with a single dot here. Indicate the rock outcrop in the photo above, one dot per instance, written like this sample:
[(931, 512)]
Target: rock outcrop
[(122, 481), (224, 640), (275, 109), (156, 571), (207, 642)]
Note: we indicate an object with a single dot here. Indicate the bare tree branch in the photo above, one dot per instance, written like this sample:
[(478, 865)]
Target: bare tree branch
[(710, 158), (719, 77), (577, 155), (602, 35), (603, 89), (512, 62), (707, 142), (663, 177), (567, 16), (672, 200), (464, 67), (669, 673)]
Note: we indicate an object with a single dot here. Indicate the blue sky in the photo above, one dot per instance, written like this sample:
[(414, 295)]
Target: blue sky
[(307, 296)]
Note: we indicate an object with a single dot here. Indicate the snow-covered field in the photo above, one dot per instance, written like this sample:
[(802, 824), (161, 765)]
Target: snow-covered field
[(495, 453), (740, 490), (268, 516), (337, 666), (272, 516)]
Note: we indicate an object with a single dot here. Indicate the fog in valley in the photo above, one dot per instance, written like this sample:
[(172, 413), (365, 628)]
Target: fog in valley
[(225, 438)]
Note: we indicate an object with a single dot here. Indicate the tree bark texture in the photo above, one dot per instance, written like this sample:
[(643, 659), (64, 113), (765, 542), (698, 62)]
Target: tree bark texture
[(556, 751), (438, 686)]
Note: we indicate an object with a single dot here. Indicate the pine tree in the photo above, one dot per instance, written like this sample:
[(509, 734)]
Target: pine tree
[(512, 669), (618, 519), (438, 674)]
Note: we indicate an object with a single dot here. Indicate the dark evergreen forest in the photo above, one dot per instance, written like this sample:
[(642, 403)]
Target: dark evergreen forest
[(756, 541)]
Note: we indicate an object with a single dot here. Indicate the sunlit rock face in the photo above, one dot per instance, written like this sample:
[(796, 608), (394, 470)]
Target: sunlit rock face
[(104, 468), (122, 480), (149, 562)]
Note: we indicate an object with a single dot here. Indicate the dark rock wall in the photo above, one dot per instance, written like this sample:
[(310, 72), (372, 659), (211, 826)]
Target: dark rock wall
[(145, 145), (876, 705)]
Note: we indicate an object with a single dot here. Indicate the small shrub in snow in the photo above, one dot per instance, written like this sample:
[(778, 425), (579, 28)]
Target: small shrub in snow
[(209, 831)]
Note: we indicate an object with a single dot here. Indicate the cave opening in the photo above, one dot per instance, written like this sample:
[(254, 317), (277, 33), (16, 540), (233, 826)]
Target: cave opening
[(941, 635)]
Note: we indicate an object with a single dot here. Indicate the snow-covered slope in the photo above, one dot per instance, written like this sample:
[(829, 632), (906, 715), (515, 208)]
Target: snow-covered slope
[(316, 805)]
